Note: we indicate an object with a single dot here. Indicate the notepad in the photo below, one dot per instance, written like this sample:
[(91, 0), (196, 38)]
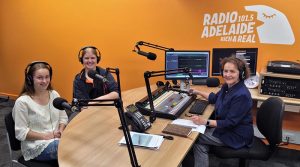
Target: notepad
[(177, 130), (190, 124)]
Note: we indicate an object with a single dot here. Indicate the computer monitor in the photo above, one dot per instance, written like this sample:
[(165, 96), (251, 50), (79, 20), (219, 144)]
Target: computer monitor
[(197, 61), (248, 54)]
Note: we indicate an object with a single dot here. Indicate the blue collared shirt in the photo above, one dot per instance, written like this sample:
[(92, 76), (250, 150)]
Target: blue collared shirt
[(233, 114)]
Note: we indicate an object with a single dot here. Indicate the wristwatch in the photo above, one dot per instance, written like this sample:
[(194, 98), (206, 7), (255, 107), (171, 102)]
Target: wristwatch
[(207, 122)]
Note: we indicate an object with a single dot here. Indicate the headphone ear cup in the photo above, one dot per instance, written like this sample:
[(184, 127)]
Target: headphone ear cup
[(98, 55), (98, 58), (29, 80), (79, 56), (242, 75), (50, 72)]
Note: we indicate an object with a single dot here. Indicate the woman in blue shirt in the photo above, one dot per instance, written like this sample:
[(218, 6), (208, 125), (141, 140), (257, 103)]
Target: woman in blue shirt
[(232, 125)]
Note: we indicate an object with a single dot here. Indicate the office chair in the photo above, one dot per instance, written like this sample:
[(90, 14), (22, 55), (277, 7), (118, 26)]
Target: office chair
[(269, 122), (15, 145)]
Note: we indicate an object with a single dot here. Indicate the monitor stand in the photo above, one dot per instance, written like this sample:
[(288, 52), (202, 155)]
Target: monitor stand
[(200, 81)]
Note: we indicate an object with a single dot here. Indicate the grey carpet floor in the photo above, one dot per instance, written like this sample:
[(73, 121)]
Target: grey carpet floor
[(282, 158)]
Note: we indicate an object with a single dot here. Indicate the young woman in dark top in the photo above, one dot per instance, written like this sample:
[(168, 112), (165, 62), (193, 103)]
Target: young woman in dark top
[(85, 87), (232, 125)]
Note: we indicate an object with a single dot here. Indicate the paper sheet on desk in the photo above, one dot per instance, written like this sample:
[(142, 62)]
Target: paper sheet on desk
[(144, 140), (189, 123)]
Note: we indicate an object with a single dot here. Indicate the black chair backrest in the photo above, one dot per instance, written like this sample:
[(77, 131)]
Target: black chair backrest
[(269, 120), (15, 144)]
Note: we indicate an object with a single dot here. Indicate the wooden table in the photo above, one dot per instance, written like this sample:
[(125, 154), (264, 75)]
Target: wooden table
[(91, 138)]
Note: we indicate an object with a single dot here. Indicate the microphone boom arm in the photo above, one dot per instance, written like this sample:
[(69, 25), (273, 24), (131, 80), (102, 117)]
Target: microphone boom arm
[(149, 55), (117, 72), (152, 46)]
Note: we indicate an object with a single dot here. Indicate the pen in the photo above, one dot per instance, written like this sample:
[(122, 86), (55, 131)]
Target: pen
[(167, 137), (164, 136)]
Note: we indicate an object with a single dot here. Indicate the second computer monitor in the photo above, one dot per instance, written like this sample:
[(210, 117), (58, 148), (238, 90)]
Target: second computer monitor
[(248, 54), (197, 61)]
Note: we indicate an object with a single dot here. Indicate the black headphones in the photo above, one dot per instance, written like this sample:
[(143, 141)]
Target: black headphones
[(29, 77), (80, 56), (242, 73)]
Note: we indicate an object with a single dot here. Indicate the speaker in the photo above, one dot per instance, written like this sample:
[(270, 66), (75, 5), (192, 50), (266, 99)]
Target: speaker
[(212, 82)]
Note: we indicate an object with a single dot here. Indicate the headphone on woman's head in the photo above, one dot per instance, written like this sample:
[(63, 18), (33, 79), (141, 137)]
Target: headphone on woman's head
[(242, 72), (242, 75), (29, 77), (80, 56)]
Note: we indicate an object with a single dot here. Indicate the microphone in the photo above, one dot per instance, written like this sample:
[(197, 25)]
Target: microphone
[(150, 55), (191, 76), (62, 104), (188, 70), (93, 74)]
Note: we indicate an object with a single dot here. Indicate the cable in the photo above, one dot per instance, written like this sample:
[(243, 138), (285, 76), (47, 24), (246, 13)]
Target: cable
[(56, 149), (49, 104)]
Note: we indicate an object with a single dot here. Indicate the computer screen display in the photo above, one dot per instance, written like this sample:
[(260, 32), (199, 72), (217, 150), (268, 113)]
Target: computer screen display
[(248, 54), (197, 61)]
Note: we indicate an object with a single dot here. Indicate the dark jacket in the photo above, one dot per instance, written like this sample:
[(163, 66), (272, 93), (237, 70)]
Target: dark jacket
[(84, 90), (233, 115)]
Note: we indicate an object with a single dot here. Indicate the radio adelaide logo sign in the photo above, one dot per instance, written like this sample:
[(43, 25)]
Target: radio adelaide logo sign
[(233, 27)]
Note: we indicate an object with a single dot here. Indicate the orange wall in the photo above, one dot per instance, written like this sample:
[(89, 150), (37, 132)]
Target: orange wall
[(54, 31)]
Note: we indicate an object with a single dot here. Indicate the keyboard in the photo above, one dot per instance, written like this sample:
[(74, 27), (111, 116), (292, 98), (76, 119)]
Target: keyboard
[(198, 107)]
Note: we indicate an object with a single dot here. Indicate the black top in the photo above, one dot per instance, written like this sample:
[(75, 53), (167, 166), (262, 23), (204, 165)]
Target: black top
[(85, 90)]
